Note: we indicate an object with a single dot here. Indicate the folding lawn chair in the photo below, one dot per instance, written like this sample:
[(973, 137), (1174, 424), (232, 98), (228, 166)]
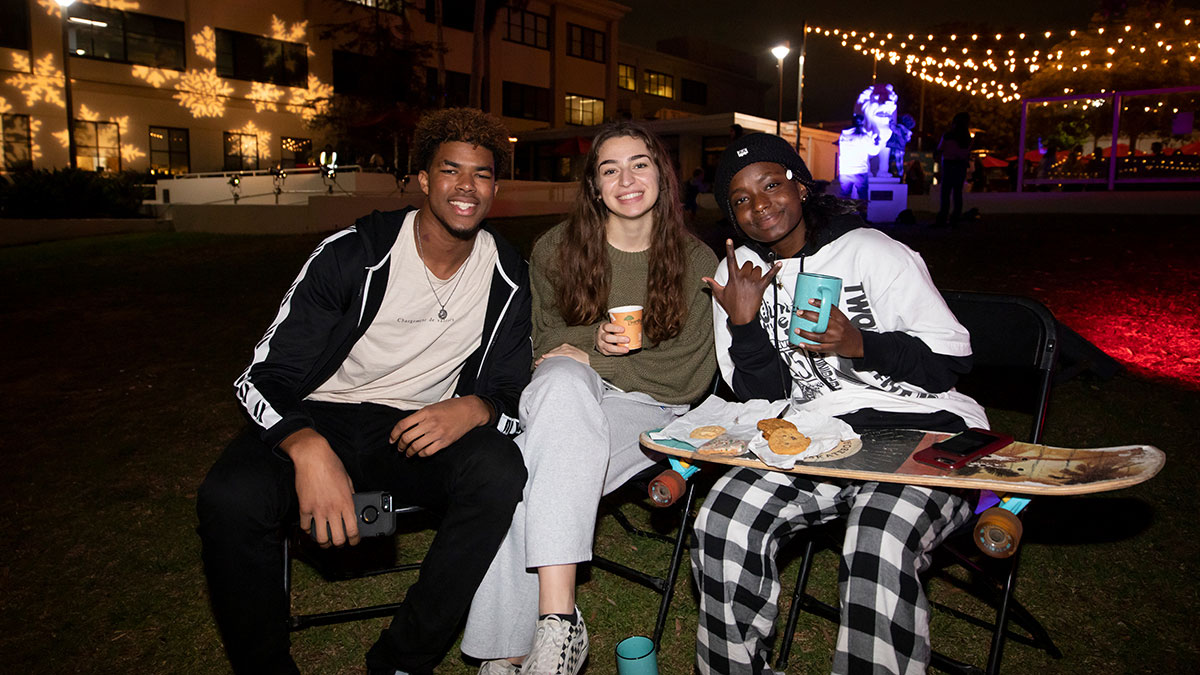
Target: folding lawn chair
[(636, 489), (664, 585), (1015, 344)]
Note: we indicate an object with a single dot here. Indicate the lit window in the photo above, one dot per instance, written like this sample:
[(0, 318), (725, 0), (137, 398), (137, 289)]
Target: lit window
[(396, 6), (128, 37), (295, 152), (584, 110), (169, 151), (658, 84), (626, 77), (97, 146), (241, 151)]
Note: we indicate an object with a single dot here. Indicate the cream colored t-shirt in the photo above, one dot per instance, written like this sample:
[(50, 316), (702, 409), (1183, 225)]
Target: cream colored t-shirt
[(408, 358)]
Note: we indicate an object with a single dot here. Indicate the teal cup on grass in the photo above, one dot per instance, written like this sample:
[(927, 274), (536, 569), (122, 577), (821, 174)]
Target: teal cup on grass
[(636, 656), (808, 287)]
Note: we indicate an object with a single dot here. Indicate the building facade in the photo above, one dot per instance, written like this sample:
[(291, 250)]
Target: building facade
[(686, 77), (177, 86)]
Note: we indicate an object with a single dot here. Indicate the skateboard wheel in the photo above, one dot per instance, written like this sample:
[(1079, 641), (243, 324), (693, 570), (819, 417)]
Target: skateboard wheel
[(998, 532), (667, 487)]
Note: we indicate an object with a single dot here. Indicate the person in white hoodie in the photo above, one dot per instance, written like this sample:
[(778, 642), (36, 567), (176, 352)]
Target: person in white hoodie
[(888, 359)]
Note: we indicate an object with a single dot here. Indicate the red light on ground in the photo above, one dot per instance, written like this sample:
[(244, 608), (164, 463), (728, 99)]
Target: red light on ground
[(1156, 334)]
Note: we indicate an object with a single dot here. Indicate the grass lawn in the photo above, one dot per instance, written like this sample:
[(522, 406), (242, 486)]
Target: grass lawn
[(120, 358)]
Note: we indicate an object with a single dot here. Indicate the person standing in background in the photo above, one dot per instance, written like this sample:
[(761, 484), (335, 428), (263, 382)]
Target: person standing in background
[(953, 155)]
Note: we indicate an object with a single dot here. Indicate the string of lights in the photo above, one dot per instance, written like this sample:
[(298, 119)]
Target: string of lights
[(995, 65)]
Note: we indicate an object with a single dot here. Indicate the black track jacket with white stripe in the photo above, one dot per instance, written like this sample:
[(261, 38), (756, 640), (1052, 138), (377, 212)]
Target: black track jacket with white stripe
[(334, 299)]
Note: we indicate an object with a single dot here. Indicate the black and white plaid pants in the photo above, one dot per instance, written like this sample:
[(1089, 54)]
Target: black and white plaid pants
[(890, 531)]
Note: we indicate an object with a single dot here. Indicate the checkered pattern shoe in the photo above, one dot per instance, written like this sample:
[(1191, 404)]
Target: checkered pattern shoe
[(499, 667), (558, 647)]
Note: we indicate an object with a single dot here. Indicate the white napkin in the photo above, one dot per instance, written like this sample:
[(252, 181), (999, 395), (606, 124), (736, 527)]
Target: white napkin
[(825, 431), (738, 419)]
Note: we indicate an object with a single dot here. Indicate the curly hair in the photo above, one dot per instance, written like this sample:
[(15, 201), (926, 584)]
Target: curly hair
[(467, 125), (583, 258)]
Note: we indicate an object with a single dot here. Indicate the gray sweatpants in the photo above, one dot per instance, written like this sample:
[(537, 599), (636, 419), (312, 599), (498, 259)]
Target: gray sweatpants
[(580, 442)]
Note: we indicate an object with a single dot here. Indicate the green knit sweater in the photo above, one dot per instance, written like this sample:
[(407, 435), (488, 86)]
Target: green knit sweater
[(678, 370)]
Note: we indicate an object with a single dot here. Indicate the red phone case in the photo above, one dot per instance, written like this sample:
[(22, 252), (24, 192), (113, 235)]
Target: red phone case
[(942, 459)]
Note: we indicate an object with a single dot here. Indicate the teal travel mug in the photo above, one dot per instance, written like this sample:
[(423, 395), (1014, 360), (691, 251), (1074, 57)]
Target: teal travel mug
[(636, 656), (809, 286)]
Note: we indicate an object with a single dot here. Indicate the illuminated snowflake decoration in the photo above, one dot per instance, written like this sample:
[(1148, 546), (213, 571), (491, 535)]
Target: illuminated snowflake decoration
[(123, 5), (35, 150), (43, 82), (206, 44), (308, 103), (130, 152), (52, 8), (265, 96), (87, 114), (155, 77), (4, 106), (262, 137), (202, 93), (294, 33)]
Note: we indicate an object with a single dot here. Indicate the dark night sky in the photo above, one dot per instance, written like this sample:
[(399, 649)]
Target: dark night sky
[(834, 75)]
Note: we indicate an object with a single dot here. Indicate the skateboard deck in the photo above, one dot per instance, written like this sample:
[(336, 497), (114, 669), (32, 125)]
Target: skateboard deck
[(1020, 468)]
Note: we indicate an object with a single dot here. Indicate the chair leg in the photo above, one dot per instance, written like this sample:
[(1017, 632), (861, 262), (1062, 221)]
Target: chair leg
[(668, 591), (623, 520), (287, 573), (789, 630), (297, 622), (1040, 637), (998, 635)]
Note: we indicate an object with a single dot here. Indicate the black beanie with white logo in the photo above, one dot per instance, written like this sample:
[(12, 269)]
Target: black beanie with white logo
[(750, 149)]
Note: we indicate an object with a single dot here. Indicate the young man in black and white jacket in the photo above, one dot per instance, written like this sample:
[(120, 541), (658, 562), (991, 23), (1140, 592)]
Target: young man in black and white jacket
[(395, 363)]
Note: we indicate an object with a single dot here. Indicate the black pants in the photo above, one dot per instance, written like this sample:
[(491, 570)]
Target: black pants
[(954, 173), (249, 497)]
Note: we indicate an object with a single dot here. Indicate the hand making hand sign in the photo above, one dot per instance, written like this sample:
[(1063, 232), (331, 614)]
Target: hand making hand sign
[(742, 294)]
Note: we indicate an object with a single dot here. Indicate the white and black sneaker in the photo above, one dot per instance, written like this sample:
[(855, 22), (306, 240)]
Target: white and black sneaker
[(499, 667), (559, 647)]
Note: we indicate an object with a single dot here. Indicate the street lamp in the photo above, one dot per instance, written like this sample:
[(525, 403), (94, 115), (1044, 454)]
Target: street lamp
[(512, 158), (66, 58), (780, 52), (800, 83)]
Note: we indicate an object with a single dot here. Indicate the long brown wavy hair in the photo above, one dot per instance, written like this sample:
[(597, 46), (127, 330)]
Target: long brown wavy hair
[(584, 272)]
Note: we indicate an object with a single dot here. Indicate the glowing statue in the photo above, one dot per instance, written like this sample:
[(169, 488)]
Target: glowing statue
[(878, 105), (865, 167)]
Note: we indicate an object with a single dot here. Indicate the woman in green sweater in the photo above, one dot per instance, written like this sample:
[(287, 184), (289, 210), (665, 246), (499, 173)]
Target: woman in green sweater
[(591, 396)]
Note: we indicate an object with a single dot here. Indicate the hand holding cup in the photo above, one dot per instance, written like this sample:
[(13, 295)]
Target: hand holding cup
[(827, 291), (622, 334)]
